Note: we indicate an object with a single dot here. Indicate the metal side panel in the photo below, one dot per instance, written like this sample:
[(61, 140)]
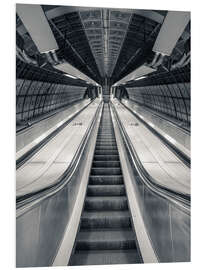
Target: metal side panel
[(162, 226), (65, 249), (43, 224), (144, 242)]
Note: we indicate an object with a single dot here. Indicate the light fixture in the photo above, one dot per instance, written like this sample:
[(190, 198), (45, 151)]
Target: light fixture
[(140, 78), (71, 76)]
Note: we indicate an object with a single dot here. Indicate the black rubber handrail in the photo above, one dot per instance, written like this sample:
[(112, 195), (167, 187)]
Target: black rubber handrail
[(182, 156), (148, 180), (65, 178), (20, 161)]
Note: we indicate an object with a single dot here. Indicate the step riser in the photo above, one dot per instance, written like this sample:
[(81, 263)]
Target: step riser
[(119, 245), (108, 147), (106, 171), (106, 191), (106, 152), (111, 164), (105, 257), (106, 180), (106, 139), (106, 158), (110, 223), (106, 135), (106, 205)]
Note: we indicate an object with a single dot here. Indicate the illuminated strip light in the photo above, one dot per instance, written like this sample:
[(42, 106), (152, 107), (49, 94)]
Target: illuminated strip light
[(140, 78), (70, 70), (71, 76), (169, 138), (151, 124), (138, 73), (40, 138), (59, 124)]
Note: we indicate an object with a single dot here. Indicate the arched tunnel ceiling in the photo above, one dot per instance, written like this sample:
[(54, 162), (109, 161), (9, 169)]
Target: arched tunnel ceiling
[(101, 42), (104, 44)]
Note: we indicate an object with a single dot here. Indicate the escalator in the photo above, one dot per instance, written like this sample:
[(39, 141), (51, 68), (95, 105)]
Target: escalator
[(105, 235)]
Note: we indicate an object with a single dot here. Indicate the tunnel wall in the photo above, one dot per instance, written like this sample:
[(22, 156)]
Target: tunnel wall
[(170, 99), (34, 98)]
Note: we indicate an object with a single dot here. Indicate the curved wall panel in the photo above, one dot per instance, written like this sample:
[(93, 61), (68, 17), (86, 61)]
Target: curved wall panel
[(170, 99), (35, 98)]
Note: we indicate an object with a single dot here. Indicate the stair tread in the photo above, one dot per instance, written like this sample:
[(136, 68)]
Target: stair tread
[(106, 190), (106, 186), (98, 198), (105, 214), (106, 235), (99, 257), (107, 176)]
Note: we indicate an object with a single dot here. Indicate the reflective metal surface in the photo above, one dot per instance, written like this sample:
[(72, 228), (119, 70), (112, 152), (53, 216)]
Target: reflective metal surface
[(167, 223), (158, 161), (40, 230)]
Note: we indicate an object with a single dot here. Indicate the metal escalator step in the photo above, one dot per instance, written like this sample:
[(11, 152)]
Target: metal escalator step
[(105, 144), (106, 171), (106, 158), (106, 152), (105, 137), (106, 203), (105, 239), (106, 179), (105, 219), (103, 257), (106, 147), (106, 164), (106, 190)]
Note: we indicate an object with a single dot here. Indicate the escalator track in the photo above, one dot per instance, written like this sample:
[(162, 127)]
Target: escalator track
[(105, 235)]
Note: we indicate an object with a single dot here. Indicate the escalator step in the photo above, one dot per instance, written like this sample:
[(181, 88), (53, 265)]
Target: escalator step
[(106, 164), (105, 219), (106, 203), (106, 158), (99, 257), (105, 239), (100, 144), (106, 180), (106, 190), (106, 152), (106, 147), (106, 171)]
